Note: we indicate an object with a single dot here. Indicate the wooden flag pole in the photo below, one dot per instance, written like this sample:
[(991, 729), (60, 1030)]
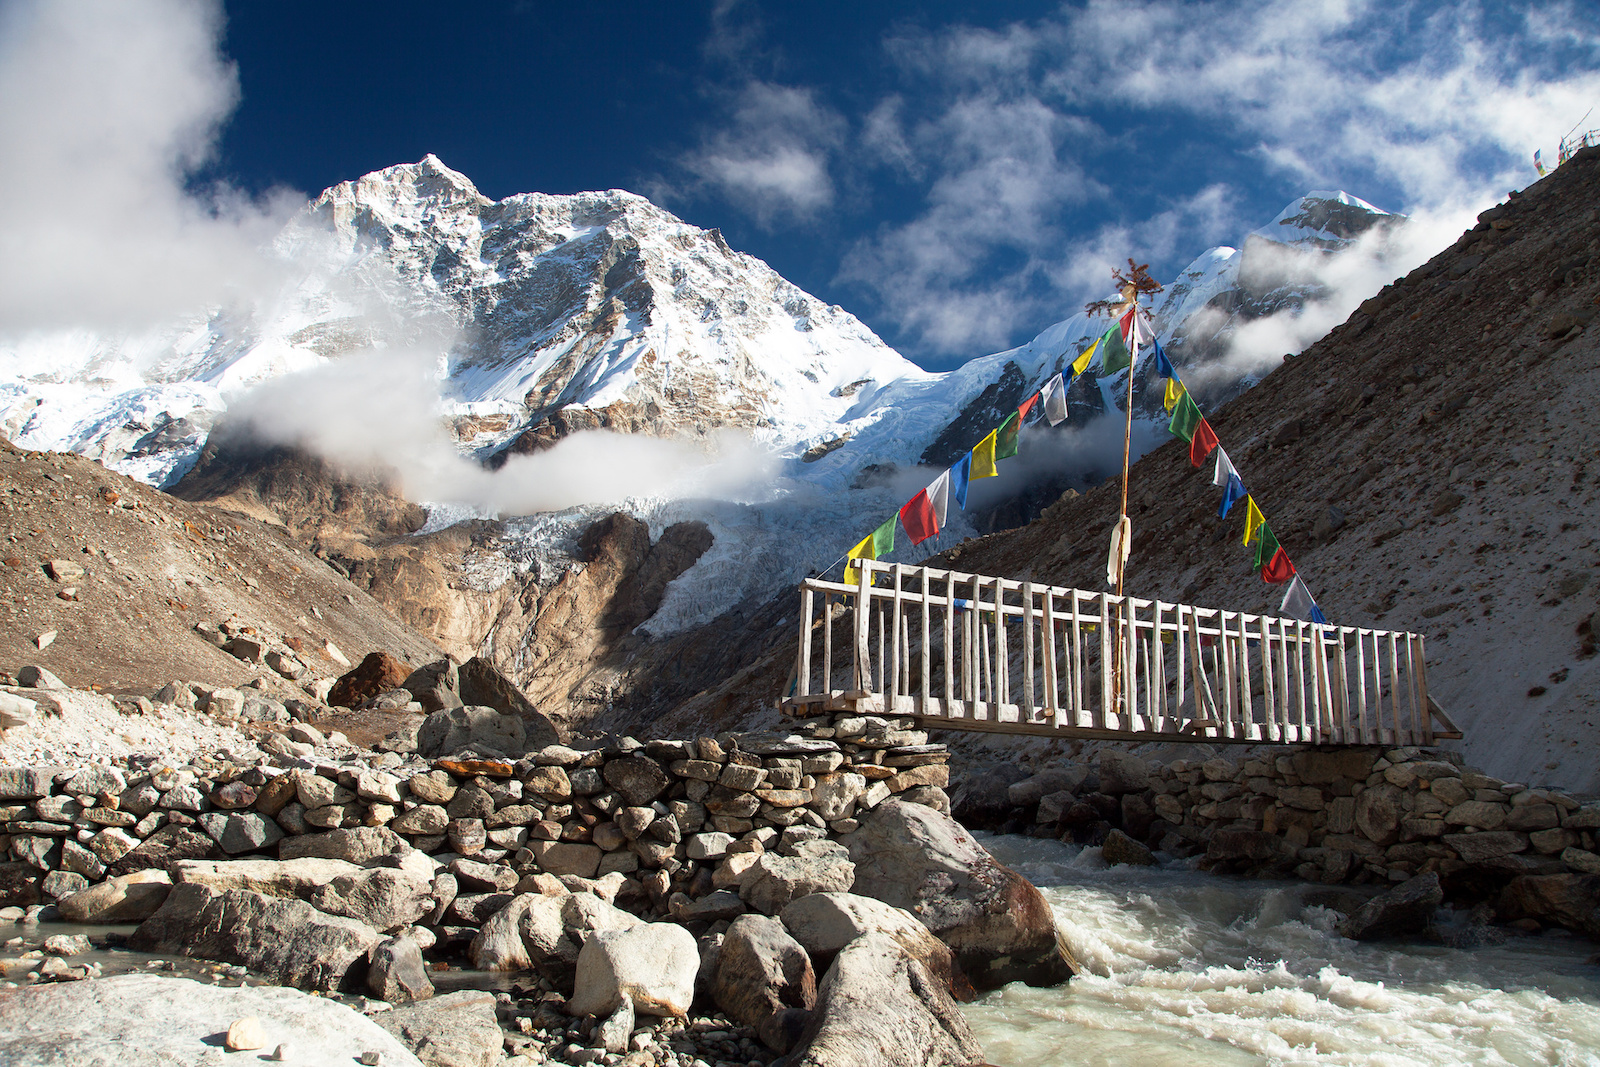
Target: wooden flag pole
[(1137, 282)]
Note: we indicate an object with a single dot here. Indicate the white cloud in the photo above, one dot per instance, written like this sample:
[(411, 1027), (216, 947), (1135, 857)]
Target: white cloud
[(110, 110), (1432, 110), (771, 159)]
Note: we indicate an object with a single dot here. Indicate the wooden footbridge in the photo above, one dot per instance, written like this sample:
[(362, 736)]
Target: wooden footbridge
[(973, 652)]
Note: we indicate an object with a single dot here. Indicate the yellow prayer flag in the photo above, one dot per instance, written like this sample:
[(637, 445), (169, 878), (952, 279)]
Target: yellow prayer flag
[(1253, 520), (1081, 364), (865, 550), (983, 458), (1175, 391)]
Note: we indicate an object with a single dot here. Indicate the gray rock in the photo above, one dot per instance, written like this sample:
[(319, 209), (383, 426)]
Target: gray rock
[(248, 831), (481, 729), (284, 941), (651, 964), (1121, 772), (19, 884), (354, 844), (999, 926), (1404, 911), (396, 971), (453, 1030), (146, 1020), (34, 677), (60, 884), (877, 1007), (274, 878), (482, 683), (94, 779), (381, 897), (25, 783), (128, 898), (1120, 848), (613, 1034), (1029, 791), (824, 923), (776, 880), (638, 778), (1476, 848), (764, 980)]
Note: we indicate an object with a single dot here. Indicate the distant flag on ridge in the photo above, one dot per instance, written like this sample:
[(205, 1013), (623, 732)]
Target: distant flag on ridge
[(1006, 436), (1224, 470), (939, 496), (876, 545), (959, 473), (1232, 493), (918, 517), (1253, 520), (1081, 364), (1297, 601), (1055, 400), (1538, 162), (983, 458), (1185, 418), (1200, 446), (1164, 365), (1114, 354), (1176, 391)]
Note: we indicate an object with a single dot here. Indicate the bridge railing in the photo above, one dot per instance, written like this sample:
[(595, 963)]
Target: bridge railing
[(976, 652)]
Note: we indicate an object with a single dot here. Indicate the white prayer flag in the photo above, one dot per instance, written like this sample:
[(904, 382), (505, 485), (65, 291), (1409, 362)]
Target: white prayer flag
[(1121, 546), (939, 497), (1224, 469), (1055, 400), (1297, 602)]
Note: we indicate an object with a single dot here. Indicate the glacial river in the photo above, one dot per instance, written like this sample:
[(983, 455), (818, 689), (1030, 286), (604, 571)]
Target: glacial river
[(1183, 968)]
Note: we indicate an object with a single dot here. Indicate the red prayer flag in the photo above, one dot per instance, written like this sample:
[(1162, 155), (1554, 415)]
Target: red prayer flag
[(918, 518), (1278, 569), (1200, 446), (1027, 405), (1126, 323)]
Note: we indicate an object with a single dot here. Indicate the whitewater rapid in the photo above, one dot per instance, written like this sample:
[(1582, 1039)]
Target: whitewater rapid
[(1185, 968)]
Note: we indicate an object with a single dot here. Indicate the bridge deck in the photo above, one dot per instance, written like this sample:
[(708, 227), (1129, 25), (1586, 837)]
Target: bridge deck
[(974, 652)]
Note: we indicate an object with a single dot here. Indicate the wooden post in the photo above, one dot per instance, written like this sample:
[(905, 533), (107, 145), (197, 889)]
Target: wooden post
[(891, 681), (1369, 734), (827, 644), (950, 642), (1179, 639), (1075, 664), (1106, 695), (864, 628), (1002, 661), (1274, 732), (1030, 708), (1225, 674), (1421, 669), (1394, 691), (1052, 701), (1247, 711), (927, 646)]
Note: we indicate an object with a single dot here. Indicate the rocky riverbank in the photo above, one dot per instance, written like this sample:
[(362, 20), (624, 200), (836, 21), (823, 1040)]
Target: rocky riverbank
[(1365, 817), (809, 886)]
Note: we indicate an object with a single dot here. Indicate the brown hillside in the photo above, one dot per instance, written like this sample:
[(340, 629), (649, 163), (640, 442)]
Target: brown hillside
[(1449, 426), (154, 566)]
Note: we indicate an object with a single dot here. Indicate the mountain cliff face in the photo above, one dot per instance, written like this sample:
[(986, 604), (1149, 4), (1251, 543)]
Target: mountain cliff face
[(546, 316)]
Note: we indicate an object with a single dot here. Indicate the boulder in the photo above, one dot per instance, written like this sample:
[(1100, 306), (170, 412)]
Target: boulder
[(824, 923), (147, 1020), (274, 878), (353, 844), (498, 945), (284, 941), (453, 1030), (764, 980), (1326, 766), (396, 971), (483, 684), (1030, 791), (651, 964), (1404, 911), (878, 1007), (638, 778), (775, 880), (1120, 848), (984, 797), (1123, 772), (482, 729), (1567, 900), (999, 925), (381, 897), (378, 673), (435, 686), (165, 847), (127, 898)]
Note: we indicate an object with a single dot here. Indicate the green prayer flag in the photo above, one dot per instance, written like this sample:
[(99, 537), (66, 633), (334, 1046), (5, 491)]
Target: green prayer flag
[(1005, 443), (1267, 547), (883, 537), (1114, 354), (1185, 417)]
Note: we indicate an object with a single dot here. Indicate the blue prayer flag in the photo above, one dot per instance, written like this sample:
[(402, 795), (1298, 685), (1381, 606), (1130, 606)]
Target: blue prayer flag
[(1164, 365), (1317, 616), (1234, 493), (959, 474)]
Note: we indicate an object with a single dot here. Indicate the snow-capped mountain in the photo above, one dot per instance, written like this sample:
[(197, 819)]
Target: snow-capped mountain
[(550, 315)]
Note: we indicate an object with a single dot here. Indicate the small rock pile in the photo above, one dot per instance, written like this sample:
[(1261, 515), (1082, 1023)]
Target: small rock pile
[(1345, 815)]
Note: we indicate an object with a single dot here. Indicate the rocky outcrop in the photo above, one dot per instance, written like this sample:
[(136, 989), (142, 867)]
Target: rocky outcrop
[(652, 966), (877, 1007), (1404, 911), (994, 920), (824, 923)]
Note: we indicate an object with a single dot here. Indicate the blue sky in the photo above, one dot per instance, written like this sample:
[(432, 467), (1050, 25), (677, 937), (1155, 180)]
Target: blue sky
[(959, 175)]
